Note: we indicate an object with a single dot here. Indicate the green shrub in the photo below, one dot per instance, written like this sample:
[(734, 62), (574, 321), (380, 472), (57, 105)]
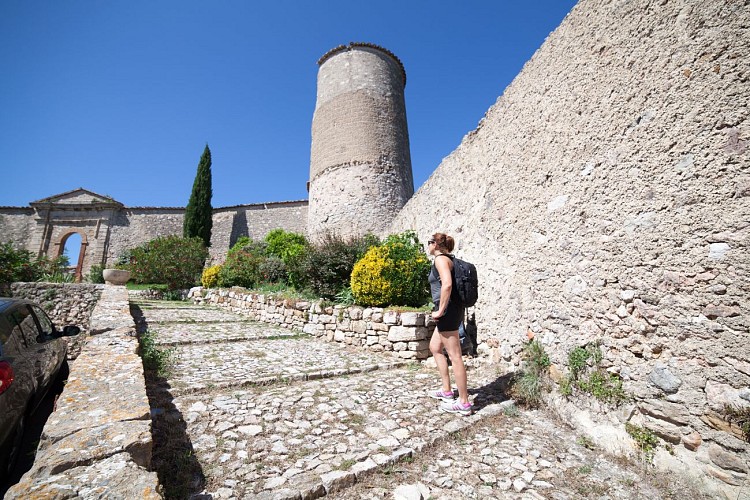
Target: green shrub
[(242, 267), (172, 260), (394, 273), (123, 261), (19, 265), (54, 270), (96, 274), (16, 264), (273, 270), (328, 264), (290, 248)]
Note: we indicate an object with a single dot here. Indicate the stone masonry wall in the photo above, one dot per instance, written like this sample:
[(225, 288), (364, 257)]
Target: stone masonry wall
[(406, 334), (65, 304), (97, 443), (16, 225), (606, 197), (135, 226), (255, 221)]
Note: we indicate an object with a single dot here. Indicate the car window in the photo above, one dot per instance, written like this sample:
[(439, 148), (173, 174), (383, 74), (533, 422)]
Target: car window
[(12, 342), (25, 320), (44, 322)]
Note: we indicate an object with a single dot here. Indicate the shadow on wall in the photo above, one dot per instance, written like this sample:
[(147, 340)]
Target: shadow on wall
[(239, 227)]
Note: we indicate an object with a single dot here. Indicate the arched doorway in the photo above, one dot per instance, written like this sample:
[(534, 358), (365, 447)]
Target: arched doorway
[(73, 246)]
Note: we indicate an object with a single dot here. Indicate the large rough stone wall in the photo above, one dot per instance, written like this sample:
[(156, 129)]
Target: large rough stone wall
[(606, 196), (360, 165)]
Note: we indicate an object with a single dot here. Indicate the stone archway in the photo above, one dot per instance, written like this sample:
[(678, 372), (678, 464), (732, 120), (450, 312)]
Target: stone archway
[(78, 265), (79, 211)]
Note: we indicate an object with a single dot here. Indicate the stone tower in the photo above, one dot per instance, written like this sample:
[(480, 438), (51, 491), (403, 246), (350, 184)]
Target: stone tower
[(360, 166)]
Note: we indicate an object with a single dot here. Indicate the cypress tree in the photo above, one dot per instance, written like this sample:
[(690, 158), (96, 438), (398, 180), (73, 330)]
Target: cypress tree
[(198, 213)]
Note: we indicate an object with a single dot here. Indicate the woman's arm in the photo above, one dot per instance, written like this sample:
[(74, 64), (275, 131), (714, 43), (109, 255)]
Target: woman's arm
[(444, 267)]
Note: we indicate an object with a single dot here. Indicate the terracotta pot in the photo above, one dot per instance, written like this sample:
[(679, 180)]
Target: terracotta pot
[(116, 276)]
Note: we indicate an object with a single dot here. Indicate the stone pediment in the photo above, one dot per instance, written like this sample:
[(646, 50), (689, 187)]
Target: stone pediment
[(78, 197)]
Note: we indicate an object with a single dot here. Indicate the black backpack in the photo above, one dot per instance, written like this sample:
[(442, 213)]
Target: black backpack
[(465, 281)]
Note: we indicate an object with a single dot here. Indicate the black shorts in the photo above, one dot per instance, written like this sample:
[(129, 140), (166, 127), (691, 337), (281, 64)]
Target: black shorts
[(454, 316)]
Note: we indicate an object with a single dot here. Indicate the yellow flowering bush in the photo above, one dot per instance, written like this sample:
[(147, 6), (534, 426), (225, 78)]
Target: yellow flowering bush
[(369, 284), (210, 276), (394, 273)]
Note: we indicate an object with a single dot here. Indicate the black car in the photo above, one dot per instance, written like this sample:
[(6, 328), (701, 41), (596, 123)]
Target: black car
[(32, 355)]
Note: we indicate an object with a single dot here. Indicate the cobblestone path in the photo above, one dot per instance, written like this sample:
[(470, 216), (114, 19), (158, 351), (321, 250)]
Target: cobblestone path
[(255, 411)]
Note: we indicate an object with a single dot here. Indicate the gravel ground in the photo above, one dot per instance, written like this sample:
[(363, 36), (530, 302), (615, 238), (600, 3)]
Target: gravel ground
[(255, 411)]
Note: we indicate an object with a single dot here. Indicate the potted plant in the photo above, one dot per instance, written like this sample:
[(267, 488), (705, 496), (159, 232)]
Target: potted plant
[(116, 276)]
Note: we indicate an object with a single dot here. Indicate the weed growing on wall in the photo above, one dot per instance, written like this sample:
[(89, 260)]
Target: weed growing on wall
[(157, 359), (587, 376), (645, 440), (532, 380), (739, 416)]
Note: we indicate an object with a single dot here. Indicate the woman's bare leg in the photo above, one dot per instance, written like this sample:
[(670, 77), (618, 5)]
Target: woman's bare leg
[(453, 346), (436, 348)]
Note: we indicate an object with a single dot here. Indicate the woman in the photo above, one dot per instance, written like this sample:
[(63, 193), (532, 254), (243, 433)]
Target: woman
[(449, 314)]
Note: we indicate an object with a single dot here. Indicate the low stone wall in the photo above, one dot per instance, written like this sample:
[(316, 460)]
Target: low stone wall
[(98, 441), (65, 304), (405, 333)]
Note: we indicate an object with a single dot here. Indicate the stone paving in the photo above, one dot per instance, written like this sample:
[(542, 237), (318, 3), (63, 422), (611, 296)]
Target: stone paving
[(285, 416)]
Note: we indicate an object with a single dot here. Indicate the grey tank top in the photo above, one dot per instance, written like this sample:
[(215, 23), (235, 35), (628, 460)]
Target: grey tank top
[(435, 284)]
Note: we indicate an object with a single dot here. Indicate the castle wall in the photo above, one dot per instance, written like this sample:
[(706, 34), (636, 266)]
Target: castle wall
[(360, 166), (606, 196), (16, 225), (135, 226), (255, 221)]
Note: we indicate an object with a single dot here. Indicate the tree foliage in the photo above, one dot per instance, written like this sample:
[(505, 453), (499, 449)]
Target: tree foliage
[(174, 261), (198, 214)]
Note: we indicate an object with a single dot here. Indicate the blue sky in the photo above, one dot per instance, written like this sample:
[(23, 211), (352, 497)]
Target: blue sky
[(120, 97)]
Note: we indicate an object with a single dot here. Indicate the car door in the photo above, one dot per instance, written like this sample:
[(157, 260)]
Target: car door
[(38, 351), (54, 349)]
